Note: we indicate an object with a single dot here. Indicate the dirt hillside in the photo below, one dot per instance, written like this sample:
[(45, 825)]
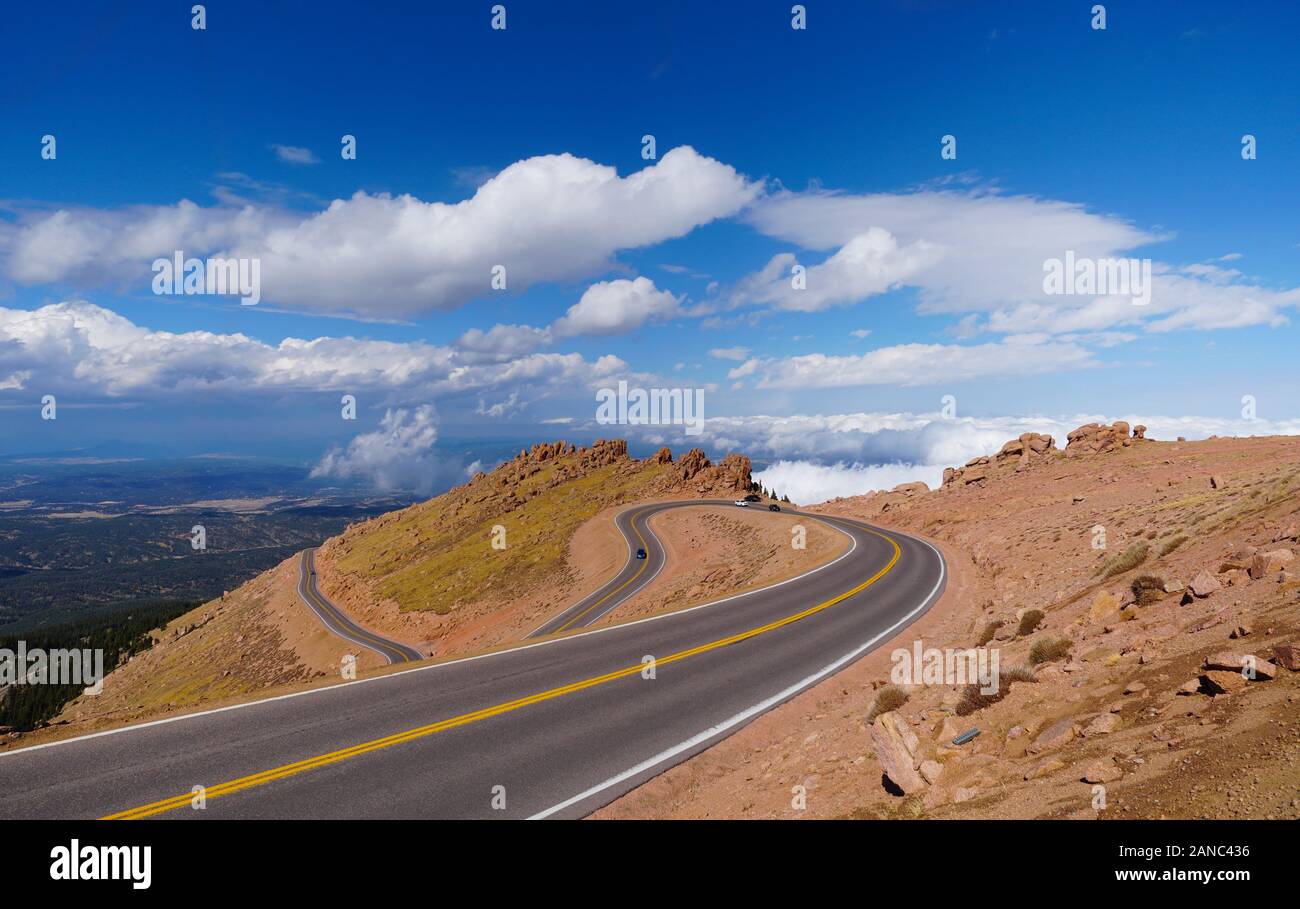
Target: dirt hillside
[(1122, 583)]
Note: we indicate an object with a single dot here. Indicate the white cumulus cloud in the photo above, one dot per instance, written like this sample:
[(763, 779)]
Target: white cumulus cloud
[(94, 351), (548, 218), (983, 253), (615, 307), (399, 455)]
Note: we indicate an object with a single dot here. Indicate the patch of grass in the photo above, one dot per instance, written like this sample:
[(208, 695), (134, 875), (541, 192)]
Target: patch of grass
[(1029, 622), (1173, 543), (1049, 650), (436, 555), (1130, 558), (990, 630), (1148, 588), (973, 698), (891, 697)]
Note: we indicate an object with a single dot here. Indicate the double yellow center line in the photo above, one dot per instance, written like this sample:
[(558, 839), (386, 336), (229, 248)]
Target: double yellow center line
[(343, 754), (639, 571)]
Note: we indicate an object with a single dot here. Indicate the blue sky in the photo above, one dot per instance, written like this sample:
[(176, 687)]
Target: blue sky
[(797, 143)]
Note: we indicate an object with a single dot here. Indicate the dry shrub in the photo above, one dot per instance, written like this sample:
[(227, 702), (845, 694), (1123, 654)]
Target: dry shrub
[(1029, 622), (1127, 560), (891, 697), (990, 630), (973, 698), (1049, 650), (1148, 588)]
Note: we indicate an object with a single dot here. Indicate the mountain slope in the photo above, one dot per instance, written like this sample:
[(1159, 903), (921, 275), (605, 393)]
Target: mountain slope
[(429, 574), (432, 570), (1120, 581)]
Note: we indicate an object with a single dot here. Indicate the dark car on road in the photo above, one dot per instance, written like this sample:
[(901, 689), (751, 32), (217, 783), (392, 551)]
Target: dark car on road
[(774, 508), (640, 553)]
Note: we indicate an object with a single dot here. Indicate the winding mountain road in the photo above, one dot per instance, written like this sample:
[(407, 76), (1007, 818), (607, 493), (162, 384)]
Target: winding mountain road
[(338, 622), (635, 575), (551, 728)]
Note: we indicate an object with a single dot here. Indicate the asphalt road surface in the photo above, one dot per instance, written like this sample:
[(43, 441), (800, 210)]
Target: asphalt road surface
[(552, 728), (636, 573), (337, 621)]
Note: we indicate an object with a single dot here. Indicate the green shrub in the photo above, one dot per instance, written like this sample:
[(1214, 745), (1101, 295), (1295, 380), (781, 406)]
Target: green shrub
[(1049, 650), (891, 697), (1029, 622)]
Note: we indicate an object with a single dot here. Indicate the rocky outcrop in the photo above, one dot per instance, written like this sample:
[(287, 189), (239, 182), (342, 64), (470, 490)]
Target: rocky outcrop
[(1090, 438), (693, 473), (736, 471), (602, 453), (733, 474), (1026, 449), (1094, 438), (692, 463), (1146, 663), (1028, 444)]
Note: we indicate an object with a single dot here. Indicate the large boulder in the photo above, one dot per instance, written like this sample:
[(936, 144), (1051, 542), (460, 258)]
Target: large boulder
[(1237, 662), (1288, 655), (1054, 736), (1102, 770), (1204, 584), (1028, 444), (898, 751), (1218, 681)]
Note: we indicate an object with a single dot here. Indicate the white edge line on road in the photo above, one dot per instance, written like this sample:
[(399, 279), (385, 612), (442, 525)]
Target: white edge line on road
[(751, 712), (482, 656)]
